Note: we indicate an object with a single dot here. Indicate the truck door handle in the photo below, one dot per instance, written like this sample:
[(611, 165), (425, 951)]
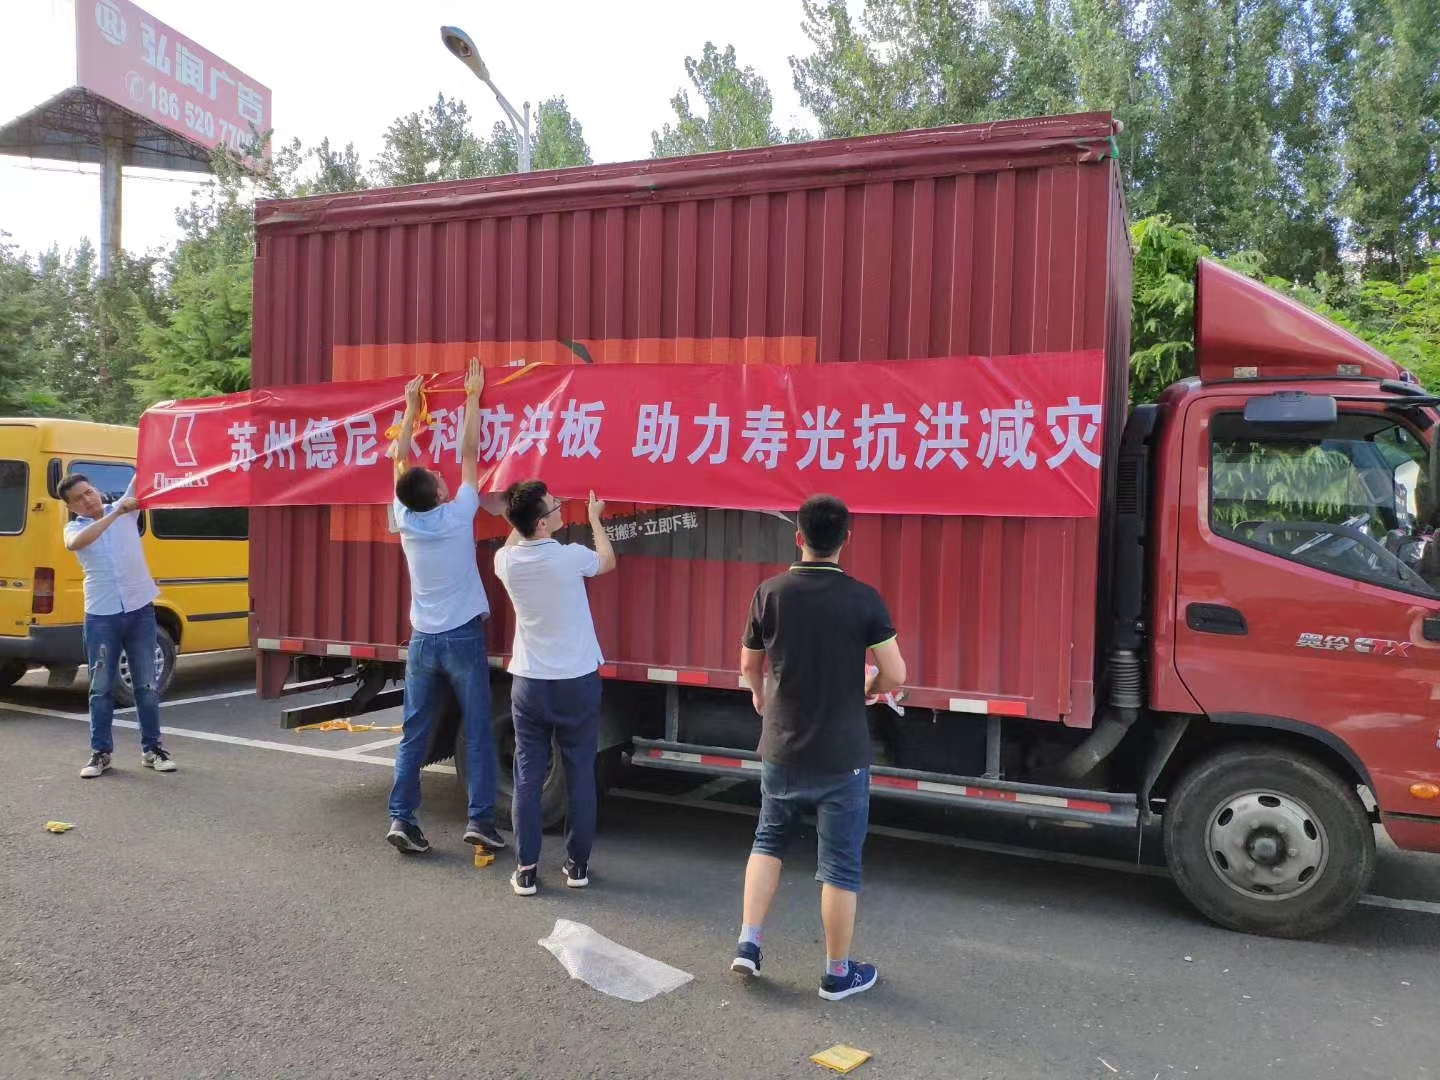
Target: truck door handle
[(1431, 629), (1219, 619)]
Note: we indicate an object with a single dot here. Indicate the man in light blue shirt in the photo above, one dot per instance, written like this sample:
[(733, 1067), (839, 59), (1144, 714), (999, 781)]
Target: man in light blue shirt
[(119, 617), (449, 617)]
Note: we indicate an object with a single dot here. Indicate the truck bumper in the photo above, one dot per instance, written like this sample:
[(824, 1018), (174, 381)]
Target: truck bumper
[(1413, 832), (46, 645)]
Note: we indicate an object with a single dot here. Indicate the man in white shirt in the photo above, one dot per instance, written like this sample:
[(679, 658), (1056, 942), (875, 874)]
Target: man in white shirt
[(555, 676), (119, 617), (449, 617)]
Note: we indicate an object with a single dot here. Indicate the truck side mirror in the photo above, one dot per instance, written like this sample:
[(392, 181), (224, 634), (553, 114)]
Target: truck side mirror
[(1292, 410)]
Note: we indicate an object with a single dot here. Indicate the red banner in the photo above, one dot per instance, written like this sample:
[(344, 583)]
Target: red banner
[(988, 436)]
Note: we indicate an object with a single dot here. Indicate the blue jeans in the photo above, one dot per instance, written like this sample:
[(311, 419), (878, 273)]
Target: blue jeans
[(566, 711), (841, 802), (106, 636), (456, 657)]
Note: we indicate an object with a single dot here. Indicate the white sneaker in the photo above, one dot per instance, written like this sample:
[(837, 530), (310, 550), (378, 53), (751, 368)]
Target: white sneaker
[(99, 763), (158, 759)]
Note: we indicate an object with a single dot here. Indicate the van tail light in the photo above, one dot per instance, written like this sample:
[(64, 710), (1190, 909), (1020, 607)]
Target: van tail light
[(43, 600)]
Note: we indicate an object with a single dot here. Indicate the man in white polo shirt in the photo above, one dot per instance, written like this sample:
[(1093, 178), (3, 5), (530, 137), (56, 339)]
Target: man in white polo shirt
[(119, 617), (449, 617), (555, 676)]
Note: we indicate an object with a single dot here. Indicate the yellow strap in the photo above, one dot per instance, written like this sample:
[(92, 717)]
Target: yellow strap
[(392, 433), (346, 725)]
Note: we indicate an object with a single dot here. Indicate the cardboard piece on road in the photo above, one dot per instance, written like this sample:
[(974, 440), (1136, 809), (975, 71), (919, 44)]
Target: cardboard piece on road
[(483, 856), (841, 1059), (58, 826)]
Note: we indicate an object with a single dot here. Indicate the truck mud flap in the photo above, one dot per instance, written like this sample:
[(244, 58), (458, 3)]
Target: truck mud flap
[(1115, 810)]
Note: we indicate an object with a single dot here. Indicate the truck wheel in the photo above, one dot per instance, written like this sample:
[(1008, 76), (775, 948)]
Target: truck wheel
[(164, 670), (1266, 841), (552, 794), (11, 672)]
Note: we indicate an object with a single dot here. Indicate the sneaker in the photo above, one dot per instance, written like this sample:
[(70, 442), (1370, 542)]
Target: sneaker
[(484, 834), (523, 882), (158, 759), (858, 979), (99, 763), (747, 958), (407, 838), (577, 874)]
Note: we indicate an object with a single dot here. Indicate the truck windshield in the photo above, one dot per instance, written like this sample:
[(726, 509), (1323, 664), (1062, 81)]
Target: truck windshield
[(1352, 500)]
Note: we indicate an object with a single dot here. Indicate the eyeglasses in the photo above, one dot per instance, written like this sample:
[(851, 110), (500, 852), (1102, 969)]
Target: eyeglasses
[(552, 509)]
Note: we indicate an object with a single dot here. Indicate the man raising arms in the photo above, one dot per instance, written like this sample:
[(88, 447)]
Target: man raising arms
[(449, 616)]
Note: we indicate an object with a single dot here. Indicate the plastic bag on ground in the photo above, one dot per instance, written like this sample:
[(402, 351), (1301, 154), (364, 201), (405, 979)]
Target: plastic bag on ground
[(608, 967)]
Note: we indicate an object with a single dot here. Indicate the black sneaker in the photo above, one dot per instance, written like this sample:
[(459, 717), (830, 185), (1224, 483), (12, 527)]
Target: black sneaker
[(577, 874), (407, 838), (523, 882), (99, 763), (857, 979), (484, 834), (747, 958)]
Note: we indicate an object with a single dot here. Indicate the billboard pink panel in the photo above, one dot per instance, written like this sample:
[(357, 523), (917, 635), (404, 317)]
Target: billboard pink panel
[(132, 58)]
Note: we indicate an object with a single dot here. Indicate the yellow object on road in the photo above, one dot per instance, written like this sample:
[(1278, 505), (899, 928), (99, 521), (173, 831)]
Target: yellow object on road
[(58, 826), (841, 1059), (483, 857), (346, 725)]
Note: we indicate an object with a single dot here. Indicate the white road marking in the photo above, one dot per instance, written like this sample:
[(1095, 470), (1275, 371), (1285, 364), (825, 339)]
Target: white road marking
[(342, 754), (1427, 907), (357, 755), (194, 700), (378, 744)]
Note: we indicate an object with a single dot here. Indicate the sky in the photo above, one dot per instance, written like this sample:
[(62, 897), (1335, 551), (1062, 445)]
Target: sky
[(347, 68)]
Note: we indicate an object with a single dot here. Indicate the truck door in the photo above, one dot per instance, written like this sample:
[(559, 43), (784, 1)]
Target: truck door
[(1302, 600)]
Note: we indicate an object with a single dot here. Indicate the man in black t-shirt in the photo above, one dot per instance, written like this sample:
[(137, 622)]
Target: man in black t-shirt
[(815, 624)]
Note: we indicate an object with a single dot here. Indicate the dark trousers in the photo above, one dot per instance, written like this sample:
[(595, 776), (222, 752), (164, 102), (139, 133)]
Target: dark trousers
[(567, 712), (106, 637)]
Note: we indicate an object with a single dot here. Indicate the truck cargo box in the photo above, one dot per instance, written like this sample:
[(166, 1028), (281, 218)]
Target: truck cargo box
[(989, 239)]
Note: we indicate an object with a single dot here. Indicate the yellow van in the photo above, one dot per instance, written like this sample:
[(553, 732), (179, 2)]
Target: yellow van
[(200, 558)]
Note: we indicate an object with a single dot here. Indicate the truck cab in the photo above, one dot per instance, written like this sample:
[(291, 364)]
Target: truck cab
[(1293, 608)]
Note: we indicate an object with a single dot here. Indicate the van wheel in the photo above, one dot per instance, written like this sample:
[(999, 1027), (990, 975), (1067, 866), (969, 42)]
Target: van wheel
[(164, 670), (1266, 841), (11, 672), (552, 794)]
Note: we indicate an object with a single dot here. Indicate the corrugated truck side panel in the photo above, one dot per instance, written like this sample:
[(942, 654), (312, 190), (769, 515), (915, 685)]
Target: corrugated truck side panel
[(952, 256)]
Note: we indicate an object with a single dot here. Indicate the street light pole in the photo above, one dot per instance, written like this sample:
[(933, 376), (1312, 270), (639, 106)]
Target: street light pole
[(462, 47)]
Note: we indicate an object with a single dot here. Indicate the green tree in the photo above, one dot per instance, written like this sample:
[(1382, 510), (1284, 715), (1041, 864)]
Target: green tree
[(559, 138), (1391, 120), (23, 356), (1162, 322), (437, 144), (200, 345), (738, 113)]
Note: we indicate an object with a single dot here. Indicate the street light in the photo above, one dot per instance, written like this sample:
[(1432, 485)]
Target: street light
[(459, 43)]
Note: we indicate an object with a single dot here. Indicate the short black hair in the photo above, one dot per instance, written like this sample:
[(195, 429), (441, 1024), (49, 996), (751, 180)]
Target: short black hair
[(824, 523), (418, 489), (525, 505), (69, 484)]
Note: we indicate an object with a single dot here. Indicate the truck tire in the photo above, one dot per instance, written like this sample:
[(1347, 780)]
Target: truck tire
[(11, 672), (1267, 841), (552, 794), (164, 670)]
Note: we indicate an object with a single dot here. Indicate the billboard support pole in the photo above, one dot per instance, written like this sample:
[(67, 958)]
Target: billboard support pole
[(110, 176)]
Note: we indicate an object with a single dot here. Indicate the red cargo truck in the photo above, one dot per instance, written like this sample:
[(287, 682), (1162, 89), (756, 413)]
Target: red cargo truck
[(1245, 641)]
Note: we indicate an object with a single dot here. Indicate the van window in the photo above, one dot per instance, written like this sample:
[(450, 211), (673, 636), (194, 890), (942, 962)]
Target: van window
[(219, 523), (109, 477), (14, 496)]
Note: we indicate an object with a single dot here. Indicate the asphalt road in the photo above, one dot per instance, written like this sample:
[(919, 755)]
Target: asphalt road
[(243, 918)]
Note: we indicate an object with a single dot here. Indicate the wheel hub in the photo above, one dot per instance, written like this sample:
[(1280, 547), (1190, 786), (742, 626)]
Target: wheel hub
[(128, 680), (1267, 845)]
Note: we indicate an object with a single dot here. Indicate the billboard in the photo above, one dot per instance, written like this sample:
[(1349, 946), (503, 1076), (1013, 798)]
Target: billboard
[(131, 58)]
